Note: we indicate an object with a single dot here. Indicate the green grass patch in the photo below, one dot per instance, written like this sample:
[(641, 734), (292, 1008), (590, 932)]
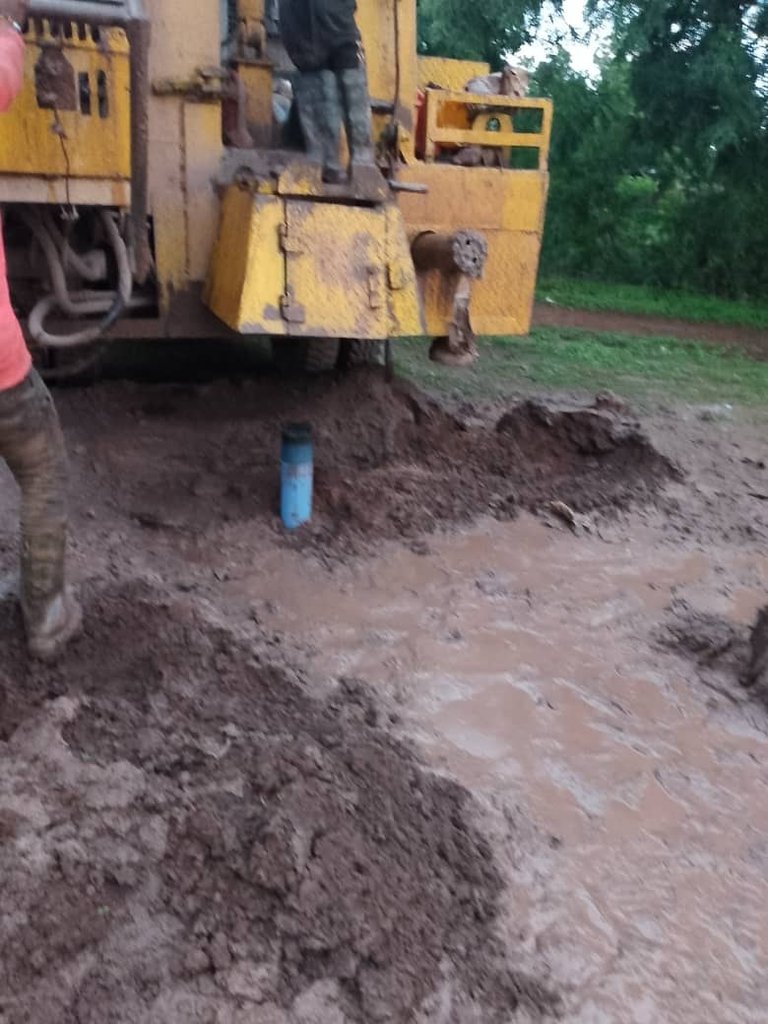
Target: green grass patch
[(641, 300), (555, 359)]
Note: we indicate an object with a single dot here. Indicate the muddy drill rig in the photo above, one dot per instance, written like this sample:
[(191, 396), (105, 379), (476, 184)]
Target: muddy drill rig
[(148, 192)]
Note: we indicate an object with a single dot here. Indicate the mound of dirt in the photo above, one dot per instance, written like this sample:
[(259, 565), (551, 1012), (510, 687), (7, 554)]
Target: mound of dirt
[(705, 637), (186, 835), (389, 462)]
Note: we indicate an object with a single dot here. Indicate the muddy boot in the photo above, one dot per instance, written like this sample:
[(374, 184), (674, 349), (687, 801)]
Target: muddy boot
[(309, 95), (357, 110), (319, 108), (32, 444), (50, 630), (333, 172)]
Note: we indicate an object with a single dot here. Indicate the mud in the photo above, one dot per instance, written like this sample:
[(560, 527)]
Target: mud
[(431, 760), (189, 835), (751, 339), (389, 462), (756, 674)]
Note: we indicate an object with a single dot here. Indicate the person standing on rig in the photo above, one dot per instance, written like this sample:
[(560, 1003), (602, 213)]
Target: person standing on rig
[(322, 39), (31, 442)]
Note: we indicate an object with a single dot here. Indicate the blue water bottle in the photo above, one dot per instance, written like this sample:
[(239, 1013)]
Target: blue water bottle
[(296, 475)]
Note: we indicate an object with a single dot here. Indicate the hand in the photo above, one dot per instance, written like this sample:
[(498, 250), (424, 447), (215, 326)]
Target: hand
[(15, 10)]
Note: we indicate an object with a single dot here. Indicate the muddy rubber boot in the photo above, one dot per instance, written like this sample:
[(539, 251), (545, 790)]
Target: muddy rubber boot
[(357, 110), (319, 107), (49, 631), (309, 101), (333, 172), (32, 444)]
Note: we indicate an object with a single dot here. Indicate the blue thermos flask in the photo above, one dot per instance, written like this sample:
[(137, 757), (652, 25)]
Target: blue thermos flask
[(296, 475)]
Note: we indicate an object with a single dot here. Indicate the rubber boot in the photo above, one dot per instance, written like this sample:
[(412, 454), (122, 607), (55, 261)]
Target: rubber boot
[(319, 107), (309, 94), (49, 632), (333, 172), (357, 110), (32, 444)]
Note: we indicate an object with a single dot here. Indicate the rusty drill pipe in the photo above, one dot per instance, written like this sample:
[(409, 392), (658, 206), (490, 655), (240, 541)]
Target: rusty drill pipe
[(132, 17), (463, 252)]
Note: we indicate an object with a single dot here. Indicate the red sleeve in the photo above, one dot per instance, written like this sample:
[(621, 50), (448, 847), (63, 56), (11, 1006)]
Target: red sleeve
[(11, 66)]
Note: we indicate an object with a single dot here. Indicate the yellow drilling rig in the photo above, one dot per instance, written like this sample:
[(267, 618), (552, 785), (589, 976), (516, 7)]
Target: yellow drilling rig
[(149, 192)]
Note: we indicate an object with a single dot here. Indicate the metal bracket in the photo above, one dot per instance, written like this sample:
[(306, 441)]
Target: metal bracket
[(290, 242), (206, 86), (291, 311), (397, 277), (375, 287)]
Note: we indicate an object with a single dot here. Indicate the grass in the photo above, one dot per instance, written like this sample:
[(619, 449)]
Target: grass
[(552, 359), (640, 299)]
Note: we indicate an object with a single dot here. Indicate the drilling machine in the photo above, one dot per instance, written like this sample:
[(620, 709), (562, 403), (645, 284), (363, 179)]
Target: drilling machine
[(149, 191)]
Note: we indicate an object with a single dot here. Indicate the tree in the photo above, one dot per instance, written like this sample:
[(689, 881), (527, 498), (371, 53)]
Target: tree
[(477, 31), (675, 192)]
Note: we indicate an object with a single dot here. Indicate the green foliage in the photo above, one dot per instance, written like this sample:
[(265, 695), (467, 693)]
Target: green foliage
[(659, 168), (485, 31)]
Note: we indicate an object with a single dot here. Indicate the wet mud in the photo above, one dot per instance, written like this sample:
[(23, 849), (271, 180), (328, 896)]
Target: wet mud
[(390, 463), (187, 832), (431, 759)]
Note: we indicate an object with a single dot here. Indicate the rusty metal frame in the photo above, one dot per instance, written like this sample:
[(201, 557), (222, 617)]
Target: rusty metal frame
[(130, 16)]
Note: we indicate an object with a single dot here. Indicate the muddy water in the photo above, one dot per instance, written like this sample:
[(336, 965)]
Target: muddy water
[(524, 662)]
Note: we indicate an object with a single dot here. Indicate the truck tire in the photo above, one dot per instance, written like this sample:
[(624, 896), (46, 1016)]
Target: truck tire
[(361, 352), (311, 356)]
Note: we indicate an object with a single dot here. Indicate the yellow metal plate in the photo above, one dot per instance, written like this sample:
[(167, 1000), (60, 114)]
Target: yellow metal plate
[(93, 139), (336, 269), (247, 276), (508, 207)]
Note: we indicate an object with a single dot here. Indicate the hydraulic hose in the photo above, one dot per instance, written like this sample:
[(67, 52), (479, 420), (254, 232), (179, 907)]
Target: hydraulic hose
[(82, 303)]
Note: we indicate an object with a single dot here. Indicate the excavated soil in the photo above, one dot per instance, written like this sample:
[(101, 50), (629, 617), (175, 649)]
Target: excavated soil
[(188, 830), (389, 462), (188, 835)]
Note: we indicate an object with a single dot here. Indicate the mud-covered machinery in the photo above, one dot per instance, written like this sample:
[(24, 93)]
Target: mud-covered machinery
[(149, 192)]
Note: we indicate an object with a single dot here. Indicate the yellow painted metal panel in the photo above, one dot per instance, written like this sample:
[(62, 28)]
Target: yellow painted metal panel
[(508, 207), (17, 188), (91, 140), (185, 36), (405, 311), (502, 301), (202, 138), (483, 198), (448, 73), (336, 269), (247, 275), (168, 194), (256, 77), (181, 45), (389, 39)]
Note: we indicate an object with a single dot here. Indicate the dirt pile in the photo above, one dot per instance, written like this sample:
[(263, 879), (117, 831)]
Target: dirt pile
[(187, 835), (725, 659), (390, 463)]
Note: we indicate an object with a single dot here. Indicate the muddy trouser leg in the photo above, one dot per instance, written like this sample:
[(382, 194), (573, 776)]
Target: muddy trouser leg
[(319, 107), (349, 64), (32, 444)]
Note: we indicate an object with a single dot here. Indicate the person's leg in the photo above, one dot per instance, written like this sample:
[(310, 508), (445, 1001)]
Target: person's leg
[(349, 64), (319, 108), (32, 444)]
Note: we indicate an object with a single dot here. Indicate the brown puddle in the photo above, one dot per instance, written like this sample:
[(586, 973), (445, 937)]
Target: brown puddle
[(524, 660)]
